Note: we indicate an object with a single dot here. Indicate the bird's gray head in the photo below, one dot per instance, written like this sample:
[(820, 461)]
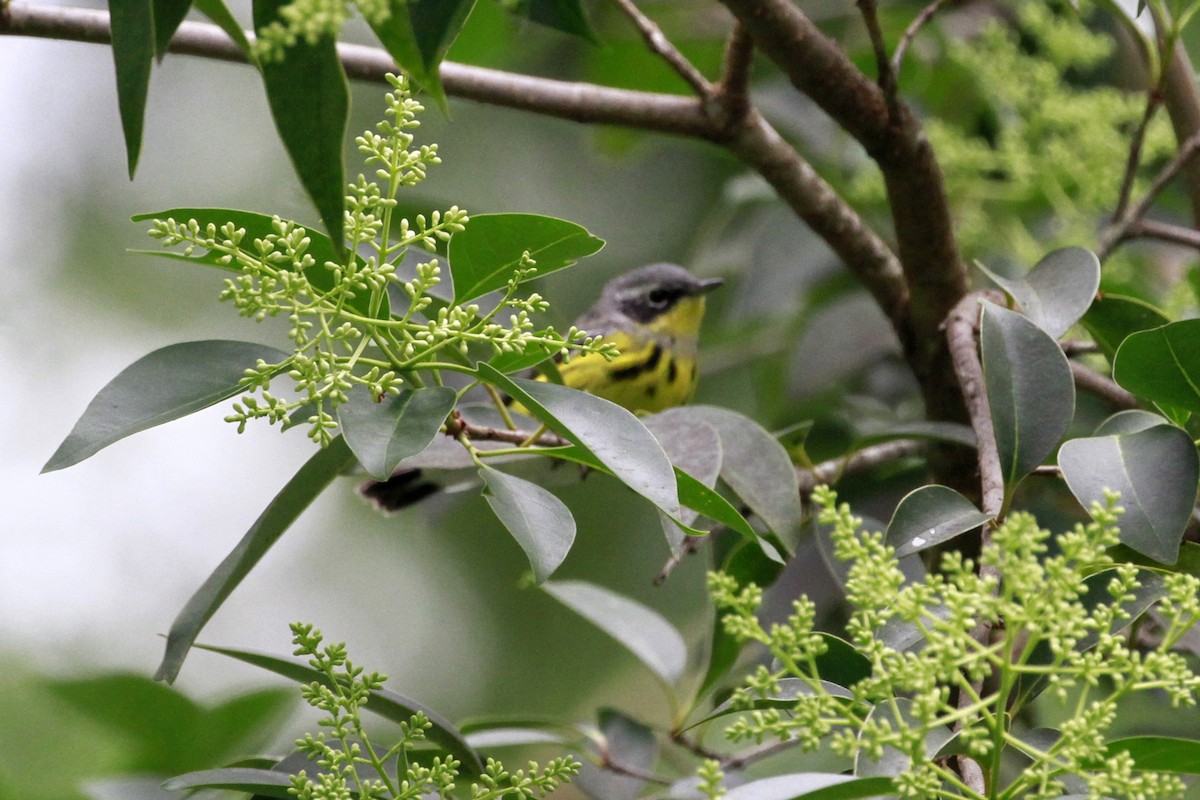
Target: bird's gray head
[(652, 290)]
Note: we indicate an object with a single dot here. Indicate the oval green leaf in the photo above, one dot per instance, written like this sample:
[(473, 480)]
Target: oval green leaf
[(1029, 388), (1159, 753), (562, 15), (385, 433), (929, 516), (310, 103), (1114, 317), (484, 255), (1156, 471), (642, 631), (132, 24), (1162, 364), (615, 436), (811, 786), (169, 383), (261, 782), (1129, 421), (384, 702), (312, 478), (1057, 291), (538, 520)]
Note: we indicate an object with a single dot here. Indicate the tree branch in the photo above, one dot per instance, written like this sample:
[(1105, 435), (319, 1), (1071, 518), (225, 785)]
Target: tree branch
[(659, 44), (1163, 231), (910, 33), (1132, 220), (1101, 385)]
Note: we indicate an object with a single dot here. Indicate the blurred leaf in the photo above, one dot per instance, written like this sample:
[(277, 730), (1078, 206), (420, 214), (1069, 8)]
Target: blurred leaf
[(263, 782), (953, 432), (382, 434), (538, 520), (1159, 753), (167, 16), (310, 103), (1162, 364), (1156, 471), (1113, 317), (490, 737), (169, 383), (384, 702), (562, 15), (929, 516), (484, 255), (1029, 388), (219, 13), (317, 473), (627, 742), (132, 24), (757, 468), (615, 436), (1129, 421), (1057, 291), (257, 226), (642, 631), (417, 35), (810, 786)]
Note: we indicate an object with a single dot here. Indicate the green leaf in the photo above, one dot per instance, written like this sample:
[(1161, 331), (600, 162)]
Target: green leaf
[(484, 255), (417, 35), (132, 24), (757, 468), (953, 432), (312, 478), (1156, 471), (1128, 421), (1029, 388), (692, 448), (384, 702), (167, 16), (257, 226), (1113, 317), (842, 663), (1159, 753), (790, 689), (627, 742), (310, 103), (562, 15), (262, 782), (810, 786), (385, 433), (169, 383), (615, 436), (897, 714), (512, 735), (219, 13), (642, 631), (1057, 291), (930, 515), (538, 520), (1162, 364)]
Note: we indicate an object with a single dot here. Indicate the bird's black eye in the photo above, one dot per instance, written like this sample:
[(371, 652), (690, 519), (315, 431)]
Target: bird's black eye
[(658, 297)]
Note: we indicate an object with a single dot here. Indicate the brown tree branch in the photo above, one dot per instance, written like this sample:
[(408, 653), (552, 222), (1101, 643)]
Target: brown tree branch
[(733, 92), (659, 44), (1102, 386), (886, 78), (910, 33), (1131, 223), (1181, 97)]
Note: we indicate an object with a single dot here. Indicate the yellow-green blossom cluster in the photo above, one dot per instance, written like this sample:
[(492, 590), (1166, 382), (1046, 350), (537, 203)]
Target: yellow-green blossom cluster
[(312, 20)]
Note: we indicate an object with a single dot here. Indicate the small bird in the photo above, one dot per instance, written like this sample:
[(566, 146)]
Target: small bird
[(653, 316)]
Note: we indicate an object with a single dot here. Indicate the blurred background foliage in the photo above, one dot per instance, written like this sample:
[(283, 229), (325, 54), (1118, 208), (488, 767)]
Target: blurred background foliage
[(96, 560)]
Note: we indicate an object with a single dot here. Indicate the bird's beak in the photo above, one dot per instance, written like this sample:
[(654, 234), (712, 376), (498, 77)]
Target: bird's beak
[(708, 284)]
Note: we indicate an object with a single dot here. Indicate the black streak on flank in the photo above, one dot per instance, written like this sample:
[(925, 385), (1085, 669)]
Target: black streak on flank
[(672, 373), (629, 373)]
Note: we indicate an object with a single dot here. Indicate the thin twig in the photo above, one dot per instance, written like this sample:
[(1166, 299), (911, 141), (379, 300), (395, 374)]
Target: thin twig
[(886, 77), (1153, 101), (1078, 347), (910, 33), (659, 44), (1102, 386), (1132, 223), (733, 91), (1163, 231), (456, 426)]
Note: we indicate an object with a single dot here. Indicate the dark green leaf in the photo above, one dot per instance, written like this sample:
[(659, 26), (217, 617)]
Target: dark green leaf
[(310, 103), (757, 468), (1156, 471), (317, 473), (693, 449), (384, 702), (615, 436), (219, 13), (538, 520), (810, 786), (383, 434), (133, 53), (167, 384), (627, 742), (642, 631), (842, 663), (510, 363), (484, 255), (264, 782), (929, 516), (1159, 753), (1029, 388), (257, 226), (953, 432), (562, 15), (1057, 291), (167, 16), (417, 35), (1162, 364), (1112, 318), (1130, 421)]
